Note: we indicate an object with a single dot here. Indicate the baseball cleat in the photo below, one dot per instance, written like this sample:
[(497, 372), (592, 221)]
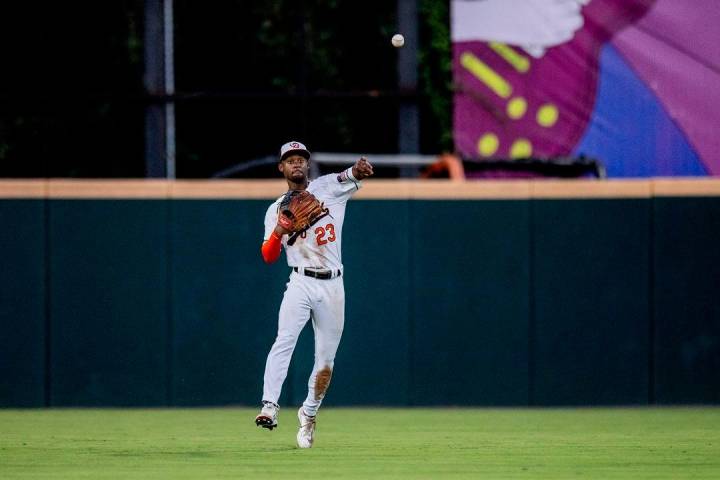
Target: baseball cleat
[(306, 433), (268, 416)]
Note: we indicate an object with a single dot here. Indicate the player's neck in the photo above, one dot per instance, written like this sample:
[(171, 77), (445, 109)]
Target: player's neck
[(297, 186)]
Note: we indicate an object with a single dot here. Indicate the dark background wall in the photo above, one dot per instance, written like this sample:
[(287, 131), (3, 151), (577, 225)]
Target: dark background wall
[(488, 302), (686, 308), (107, 278), (23, 315), (591, 279), (249, 76)]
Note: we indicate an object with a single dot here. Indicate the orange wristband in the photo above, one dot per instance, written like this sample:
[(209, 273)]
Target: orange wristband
[(271, 248)]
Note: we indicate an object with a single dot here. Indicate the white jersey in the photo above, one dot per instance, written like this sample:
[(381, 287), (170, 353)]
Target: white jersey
[(320, 246)]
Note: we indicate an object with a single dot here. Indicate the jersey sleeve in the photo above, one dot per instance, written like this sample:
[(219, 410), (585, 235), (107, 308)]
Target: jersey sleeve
[(270, 220), (339, 186)]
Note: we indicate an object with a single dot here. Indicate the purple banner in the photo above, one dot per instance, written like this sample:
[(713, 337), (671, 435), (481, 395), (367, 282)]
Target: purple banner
[(527, 75)]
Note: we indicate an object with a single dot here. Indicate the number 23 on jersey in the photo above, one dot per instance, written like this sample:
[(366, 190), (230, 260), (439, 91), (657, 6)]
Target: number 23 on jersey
[(325, 234)]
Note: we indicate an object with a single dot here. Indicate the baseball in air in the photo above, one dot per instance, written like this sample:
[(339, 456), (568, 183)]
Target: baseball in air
[(398, 40)]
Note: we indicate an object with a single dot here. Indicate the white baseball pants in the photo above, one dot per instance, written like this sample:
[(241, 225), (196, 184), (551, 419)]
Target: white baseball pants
[(305, 298)]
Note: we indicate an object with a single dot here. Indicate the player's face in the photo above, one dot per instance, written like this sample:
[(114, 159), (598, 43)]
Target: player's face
[(295, 168)]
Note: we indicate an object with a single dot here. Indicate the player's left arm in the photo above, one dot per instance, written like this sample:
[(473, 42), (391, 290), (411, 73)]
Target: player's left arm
[(276, 225)]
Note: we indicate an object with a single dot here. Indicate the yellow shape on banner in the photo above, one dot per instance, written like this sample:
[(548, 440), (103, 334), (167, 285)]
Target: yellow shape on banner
[(521, 148), (488, 144), (547, 115), (518, 62), (485, 74), (516, 108)]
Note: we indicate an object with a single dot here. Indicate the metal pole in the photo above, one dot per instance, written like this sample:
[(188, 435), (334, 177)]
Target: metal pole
[(169, 50), (159, 82), (408, 115)]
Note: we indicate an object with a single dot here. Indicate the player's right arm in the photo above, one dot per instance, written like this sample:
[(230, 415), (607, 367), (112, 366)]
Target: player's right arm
[(341, 186), (275, 227), (362, 169)]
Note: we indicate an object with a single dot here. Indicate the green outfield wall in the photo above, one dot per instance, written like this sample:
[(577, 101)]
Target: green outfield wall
[(23, 302), (480, 293)]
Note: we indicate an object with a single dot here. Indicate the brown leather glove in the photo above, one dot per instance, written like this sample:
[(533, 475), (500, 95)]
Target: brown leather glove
[(302, 210)]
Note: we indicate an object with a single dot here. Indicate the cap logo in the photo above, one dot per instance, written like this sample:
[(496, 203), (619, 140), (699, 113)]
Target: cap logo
[(295, 145)]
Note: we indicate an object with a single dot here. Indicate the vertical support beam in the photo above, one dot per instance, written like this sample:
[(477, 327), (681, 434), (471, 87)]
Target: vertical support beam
[(159, 82), (409, 115), (169, 73), (303, 27)]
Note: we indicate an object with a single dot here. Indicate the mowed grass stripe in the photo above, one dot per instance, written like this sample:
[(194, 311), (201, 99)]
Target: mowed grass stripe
[(353, 443)]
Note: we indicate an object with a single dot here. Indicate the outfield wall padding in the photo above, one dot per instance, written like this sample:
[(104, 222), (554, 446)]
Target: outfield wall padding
[(23, 333), (590, 266), (469, 308), (686, 302), (108, 309), (223, 301), (152, 293)]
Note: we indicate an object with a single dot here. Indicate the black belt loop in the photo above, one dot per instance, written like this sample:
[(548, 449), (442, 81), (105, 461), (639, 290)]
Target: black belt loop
[(327, 275)]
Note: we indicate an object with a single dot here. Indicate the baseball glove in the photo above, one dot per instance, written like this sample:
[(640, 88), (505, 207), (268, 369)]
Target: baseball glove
[(302, 209)]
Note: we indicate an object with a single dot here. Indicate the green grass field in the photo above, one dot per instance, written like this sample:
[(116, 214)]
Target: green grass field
[(650, 443)]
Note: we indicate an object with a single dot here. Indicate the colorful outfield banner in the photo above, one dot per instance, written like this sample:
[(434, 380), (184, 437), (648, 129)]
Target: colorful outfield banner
[(633, 83)]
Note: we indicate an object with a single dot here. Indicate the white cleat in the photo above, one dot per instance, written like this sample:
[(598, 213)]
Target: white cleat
[(268, 416), (306, 433)]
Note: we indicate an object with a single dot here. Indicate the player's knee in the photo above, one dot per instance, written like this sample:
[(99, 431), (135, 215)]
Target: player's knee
[(323, 362), (334, 335)]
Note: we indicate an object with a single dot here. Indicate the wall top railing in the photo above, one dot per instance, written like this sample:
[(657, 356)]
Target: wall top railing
[(373, 189)]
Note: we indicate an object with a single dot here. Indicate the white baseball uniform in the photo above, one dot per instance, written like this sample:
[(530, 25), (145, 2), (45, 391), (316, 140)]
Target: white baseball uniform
[(318, 250)]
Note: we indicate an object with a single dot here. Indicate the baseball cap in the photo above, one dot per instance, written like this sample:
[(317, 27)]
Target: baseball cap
[(294, 148)]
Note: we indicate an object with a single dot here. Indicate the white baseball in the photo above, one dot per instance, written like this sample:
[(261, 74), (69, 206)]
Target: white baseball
[(398, 40)]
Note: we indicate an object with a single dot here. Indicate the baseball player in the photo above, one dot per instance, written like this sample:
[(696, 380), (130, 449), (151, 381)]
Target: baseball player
[(315, 289)]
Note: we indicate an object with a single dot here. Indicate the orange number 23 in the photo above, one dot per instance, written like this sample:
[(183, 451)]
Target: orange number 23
[(320, 234)]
